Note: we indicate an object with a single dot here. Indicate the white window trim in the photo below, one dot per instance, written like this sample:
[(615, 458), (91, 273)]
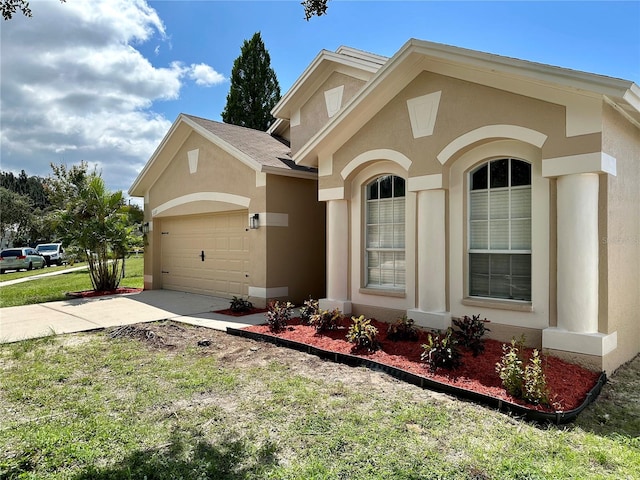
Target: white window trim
[(537, 314), (360, 294)]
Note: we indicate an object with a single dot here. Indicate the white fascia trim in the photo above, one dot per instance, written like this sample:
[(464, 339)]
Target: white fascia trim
[(514, 132), (227, 147), (323, 56), (271, 292), (202, 197), (425, 182), (597, 344), (155, 155), (596, 162), (378, 154), (327, 194), (286, 172)]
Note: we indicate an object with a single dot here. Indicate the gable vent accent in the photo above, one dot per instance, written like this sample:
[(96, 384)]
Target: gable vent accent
[(192, 155), (333, 99), (422, 113)]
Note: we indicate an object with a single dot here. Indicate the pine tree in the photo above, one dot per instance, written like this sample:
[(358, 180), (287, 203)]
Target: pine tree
[(254, 87)]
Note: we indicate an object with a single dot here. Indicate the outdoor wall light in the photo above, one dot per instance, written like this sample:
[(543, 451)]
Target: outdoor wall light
[(144, 228), (254, 221)]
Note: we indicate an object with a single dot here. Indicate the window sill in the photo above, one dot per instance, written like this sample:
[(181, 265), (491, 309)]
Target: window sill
[(383, 292), (514, 305)]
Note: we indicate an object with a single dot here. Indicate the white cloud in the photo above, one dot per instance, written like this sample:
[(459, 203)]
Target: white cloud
[(75, 87), (205, 75)]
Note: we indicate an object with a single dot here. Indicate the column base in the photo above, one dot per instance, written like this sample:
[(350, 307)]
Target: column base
[(598, 344), (328, 304), (432, 320)]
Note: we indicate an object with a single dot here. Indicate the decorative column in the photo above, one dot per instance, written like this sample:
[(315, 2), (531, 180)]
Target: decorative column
[(432, 301), (578, 254), (577, 211), (337, 257)]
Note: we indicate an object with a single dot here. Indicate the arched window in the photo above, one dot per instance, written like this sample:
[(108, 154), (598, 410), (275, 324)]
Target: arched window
[(500, 230), (385, 255)]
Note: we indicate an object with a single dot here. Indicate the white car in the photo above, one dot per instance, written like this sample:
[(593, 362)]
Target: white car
[(20, 258), (52, 253)]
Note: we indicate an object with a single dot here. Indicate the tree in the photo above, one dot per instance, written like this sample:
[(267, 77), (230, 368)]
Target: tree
[(9, 7), (16, 216), (314, 7), (94, 221), (254, 87)]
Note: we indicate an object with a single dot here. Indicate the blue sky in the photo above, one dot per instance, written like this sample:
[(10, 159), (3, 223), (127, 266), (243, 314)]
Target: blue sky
[(102, 80)]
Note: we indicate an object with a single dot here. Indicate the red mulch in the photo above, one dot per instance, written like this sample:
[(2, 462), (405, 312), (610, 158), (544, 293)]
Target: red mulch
[(251, 311), (568, 383), (102, 293)]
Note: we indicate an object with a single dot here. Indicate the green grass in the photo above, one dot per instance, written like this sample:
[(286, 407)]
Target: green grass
[(49, 289), (87, 406), (11, 275)]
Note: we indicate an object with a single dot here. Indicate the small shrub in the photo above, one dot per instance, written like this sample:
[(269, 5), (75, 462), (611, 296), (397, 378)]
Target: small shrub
[(240, 305), (308, 310), (519, 380), (363, 334), (535, 383), (441, 351), (278, 315), (470, 332), (326, 320), (403, 329), (509, 369)]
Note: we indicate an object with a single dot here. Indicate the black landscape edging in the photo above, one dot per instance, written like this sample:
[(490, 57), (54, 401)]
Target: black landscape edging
[(558, 418)]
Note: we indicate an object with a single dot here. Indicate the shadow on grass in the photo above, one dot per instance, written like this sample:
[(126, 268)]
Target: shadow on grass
[(188, 456)]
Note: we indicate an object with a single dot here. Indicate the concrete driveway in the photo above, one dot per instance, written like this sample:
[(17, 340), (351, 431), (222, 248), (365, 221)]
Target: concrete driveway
[(84, 314)]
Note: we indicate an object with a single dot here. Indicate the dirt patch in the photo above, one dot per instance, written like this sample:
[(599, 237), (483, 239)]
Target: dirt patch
[(237, 352)]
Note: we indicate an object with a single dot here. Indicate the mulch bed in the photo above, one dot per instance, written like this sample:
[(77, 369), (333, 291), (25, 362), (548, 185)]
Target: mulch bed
[(251, 311), (102, 293), (568, 383)]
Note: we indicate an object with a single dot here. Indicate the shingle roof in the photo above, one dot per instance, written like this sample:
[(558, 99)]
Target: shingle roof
[(260, 146)]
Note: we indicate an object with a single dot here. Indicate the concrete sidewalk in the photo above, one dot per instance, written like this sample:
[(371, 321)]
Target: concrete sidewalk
[(83, 314)]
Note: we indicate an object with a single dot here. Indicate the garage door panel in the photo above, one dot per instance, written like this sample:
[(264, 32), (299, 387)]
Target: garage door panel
[(224, 240)]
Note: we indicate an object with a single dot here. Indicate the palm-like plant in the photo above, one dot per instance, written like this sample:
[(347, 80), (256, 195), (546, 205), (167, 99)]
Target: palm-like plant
[(96, 222)]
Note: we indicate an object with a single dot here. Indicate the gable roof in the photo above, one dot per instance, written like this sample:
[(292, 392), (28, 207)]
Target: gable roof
[(350, 61), (256, 149), (510, 74)]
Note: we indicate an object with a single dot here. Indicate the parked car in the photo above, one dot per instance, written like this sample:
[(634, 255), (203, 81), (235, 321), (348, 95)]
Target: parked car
[(52, 253), (20, 258)]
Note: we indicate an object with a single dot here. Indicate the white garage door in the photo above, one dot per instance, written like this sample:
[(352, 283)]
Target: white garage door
[(206, 254)]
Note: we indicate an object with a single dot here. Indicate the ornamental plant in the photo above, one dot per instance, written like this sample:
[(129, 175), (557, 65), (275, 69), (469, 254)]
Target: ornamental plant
[(308, 310), (326, 320), (278, 315), (470, 332), (240, 305), (526, 381), (441, 351), (535, 388), (363, 334), (403, 329)]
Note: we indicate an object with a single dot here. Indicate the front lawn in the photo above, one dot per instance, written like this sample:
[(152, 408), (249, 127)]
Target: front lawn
[(165, 400), (53, 288)]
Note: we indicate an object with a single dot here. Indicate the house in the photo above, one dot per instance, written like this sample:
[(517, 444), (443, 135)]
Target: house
[(457, 183), (221, 203)]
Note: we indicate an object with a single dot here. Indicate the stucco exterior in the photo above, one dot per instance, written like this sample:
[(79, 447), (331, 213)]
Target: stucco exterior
[(437, 183), (201, 174), (431, 115)]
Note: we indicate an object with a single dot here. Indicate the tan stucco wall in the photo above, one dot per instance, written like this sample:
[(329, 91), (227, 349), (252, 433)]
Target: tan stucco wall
[(313, 114), (296, 253), (217, 172), (463, 107), (622, 241)]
